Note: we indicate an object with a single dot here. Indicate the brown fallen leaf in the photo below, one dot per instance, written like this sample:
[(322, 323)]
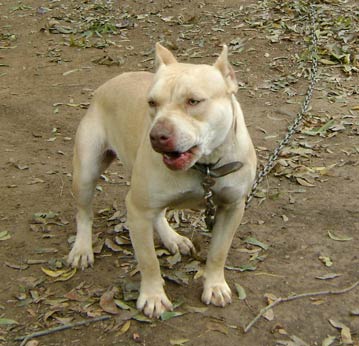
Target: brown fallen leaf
[(32, 343), (304, 182), (112, 246), (269, 315), (107, 302), (17, 266), (217, 327), (328, 276)]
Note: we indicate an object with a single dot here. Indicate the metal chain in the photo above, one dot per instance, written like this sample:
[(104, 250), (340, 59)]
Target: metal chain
[(211, 208), (299, 118)]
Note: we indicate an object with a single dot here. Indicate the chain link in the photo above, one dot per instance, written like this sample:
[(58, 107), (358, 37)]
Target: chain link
[(299, 117)]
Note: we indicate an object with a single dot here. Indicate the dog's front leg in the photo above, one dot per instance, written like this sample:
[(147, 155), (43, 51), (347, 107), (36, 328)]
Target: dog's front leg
[(152, 299), (216, 290)]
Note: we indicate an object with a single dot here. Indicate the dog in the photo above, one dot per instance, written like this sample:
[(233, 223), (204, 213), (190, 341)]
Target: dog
[(162, 126)]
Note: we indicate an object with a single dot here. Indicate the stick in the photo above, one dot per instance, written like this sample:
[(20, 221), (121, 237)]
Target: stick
[(26, 338), (298, 296)]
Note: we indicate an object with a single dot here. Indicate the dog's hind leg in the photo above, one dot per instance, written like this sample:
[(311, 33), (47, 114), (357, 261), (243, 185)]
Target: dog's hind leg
[(170, 238), (91, 158)]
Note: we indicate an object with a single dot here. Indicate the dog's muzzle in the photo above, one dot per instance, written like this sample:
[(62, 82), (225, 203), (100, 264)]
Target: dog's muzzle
[(163, 141)]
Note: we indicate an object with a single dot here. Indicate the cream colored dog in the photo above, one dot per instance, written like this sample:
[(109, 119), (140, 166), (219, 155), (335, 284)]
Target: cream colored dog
[(160, 125)]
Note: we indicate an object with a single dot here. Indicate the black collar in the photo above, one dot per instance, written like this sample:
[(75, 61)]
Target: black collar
[(217, 172)]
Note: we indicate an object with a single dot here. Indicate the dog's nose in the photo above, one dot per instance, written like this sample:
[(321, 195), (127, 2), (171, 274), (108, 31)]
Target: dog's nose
[(161, 139)]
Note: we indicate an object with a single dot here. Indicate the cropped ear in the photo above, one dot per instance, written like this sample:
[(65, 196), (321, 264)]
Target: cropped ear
[(163, 56), (223, 65)]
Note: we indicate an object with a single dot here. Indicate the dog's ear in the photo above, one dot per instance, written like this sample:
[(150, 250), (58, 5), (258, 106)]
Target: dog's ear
[(223, 65), (163, 56)]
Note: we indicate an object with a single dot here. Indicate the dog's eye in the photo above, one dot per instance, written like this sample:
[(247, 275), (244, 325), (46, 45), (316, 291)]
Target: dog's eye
[(193, 102), (152, 103)]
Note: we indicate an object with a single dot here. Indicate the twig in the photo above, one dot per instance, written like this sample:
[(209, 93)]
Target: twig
[(298, 296), (26, 338)]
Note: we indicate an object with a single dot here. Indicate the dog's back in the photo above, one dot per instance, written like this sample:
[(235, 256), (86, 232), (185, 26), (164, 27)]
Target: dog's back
[(124, 100)]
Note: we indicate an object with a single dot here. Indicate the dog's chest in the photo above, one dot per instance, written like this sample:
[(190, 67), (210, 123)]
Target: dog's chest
[(188, 198)]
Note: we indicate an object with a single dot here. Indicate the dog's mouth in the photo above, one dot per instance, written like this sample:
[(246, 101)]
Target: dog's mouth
[(177, 160)]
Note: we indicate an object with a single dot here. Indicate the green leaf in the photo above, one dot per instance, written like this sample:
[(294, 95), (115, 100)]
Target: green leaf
[(255, 242), (122, 305), (240, 291), (142, 318), (7, 322), (167, 315)]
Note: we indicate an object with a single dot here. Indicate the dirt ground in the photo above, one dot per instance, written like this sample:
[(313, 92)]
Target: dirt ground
[(303, 224)]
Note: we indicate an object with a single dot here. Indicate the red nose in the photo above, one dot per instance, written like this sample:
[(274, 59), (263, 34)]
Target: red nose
[(162, 138)]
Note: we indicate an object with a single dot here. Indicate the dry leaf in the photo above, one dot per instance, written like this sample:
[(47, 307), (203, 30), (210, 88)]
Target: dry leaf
[(269, 315), (345, 333), (346, 336), (107, 302), (32, 343), (326, 260), (339, 238), (304, 182), (124, 328), (270, 298), (178, 342), (217, 327), (298, 341), (328, 340), (112, 246), (16, 266), (4, 235), (328, 276), (54, 273), (67, 275)]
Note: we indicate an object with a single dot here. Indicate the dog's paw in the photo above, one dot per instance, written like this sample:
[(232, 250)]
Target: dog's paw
[(176, 242), (81, 256), (154, 304), (216, 293)]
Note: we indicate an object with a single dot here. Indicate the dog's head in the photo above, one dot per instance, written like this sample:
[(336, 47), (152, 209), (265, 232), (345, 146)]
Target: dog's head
[(191, 108)]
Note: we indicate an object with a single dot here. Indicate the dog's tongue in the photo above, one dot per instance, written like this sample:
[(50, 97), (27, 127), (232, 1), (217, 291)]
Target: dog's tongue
[(178, 161)]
